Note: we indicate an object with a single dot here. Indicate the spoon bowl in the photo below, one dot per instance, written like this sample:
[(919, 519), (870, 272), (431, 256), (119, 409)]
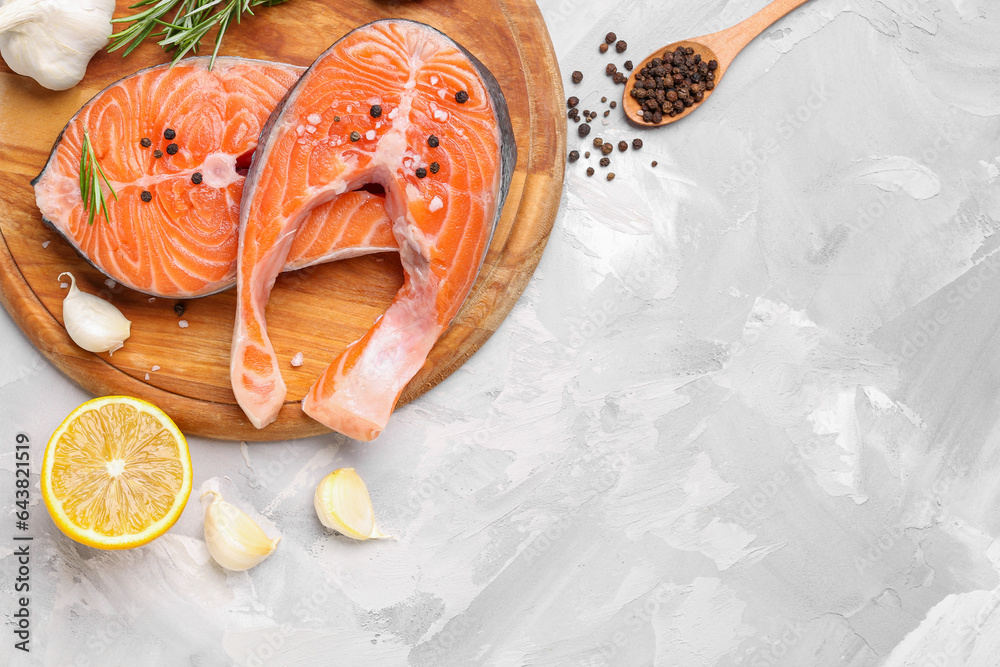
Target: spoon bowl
[(723, 47)]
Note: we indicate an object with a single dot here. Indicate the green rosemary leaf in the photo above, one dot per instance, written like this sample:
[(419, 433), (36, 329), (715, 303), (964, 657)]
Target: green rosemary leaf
[(91, 175), (189, 22)]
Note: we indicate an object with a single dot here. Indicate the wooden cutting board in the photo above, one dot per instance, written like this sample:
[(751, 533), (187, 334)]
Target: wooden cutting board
[(316, 311)]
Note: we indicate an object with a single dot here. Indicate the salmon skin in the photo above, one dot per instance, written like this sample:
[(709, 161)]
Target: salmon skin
[(376, 99), (182, 243)]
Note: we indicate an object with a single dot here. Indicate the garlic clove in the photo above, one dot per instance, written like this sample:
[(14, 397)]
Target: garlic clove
[(342, 504), (93, 323), (235, 540)]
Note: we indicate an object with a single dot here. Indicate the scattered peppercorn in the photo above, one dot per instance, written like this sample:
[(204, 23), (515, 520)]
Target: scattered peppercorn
[(584, 130), (587, 154), (619, 78), (590, 171), (146, 196), (613, 104), (461, 97), (355, 136), (421, 172), (157, 154), (336, 119), (572, 102), (435, 167), (611, 176), (607, 113), (179, 308), (605, 161), (629, 65), (622, 146), (577, 76), (598, 142), (169, 134), (196, 178), (573, 156), (375, 111), (654, 163), (608, 148), (145, 142), (636, 143), (610, 38), (610, 69), (172, 149), (604, 99), (621, 46), (433, 142), (603, 48)]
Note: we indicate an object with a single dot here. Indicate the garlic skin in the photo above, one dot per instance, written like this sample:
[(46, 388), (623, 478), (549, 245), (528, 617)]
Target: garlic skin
[(52, 41), (342, 504), (93, 323), (235, 540)]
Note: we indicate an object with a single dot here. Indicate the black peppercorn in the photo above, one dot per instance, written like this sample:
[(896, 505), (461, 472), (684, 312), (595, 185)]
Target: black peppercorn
[(622, 146), (179, 308), (628, 65), (587, 154), (145, 142), (432, 141), (647, 116), (169, 134), (610, 69), (584, 130), (590, 171), (610, 38), (355, 136), (157, 154), (461, 97), (196, 178), (654, 163), (613, 104), (336, 119), (574, 156), (421, 172), (605, 161), (577, 76), (607, 113), (621, 46), (172, 149), (636, 143), (146, 196), (375, 111), (611, 176), (598, 142), (572, 102), (607, 148)]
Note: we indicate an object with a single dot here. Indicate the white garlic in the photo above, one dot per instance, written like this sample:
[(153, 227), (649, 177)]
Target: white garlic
[(235, 540), (52, 41), (93, 323), (342, 504)]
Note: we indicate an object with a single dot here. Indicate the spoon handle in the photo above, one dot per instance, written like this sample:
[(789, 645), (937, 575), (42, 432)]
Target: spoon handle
[(734, 39)]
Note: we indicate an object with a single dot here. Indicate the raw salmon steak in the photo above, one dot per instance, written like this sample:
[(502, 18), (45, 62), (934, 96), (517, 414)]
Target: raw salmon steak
[(183, 241), (399, 104)]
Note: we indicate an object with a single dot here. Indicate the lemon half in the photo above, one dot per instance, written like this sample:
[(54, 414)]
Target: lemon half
[(116, 473)]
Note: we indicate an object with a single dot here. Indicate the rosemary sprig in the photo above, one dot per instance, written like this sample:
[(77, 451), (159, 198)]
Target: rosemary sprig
[(188, 22), (91, 175)]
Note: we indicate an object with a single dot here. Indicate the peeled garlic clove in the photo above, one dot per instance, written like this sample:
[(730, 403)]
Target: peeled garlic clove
[(343, 504), (235, 540), (93, 323)]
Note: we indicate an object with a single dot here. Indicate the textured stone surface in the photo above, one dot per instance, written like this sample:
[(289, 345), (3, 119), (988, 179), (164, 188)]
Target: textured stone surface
[(745, 414)]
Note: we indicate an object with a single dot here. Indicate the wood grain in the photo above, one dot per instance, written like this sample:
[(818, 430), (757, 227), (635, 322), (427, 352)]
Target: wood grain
[(318, 310)]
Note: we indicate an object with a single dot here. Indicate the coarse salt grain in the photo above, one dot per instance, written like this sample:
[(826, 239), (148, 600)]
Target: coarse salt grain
[(183, 324), (409, 84), (392, 114), (350, 109), (435, 204), (310, 129), (314, 118), (369, 135), (151, 299), (434, 80), (443, 94), (297, 359), (147, 376), (440, 115), (155, 368), (63, 285), (45, 244), (110, 283)]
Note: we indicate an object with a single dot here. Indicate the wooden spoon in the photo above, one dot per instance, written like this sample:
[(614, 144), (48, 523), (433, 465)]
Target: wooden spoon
[(719, 46)]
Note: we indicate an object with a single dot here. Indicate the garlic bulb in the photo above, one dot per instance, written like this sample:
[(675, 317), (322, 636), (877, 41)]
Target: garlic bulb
[(53, 40), (343, 504), (93, 323), (235, 540)]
